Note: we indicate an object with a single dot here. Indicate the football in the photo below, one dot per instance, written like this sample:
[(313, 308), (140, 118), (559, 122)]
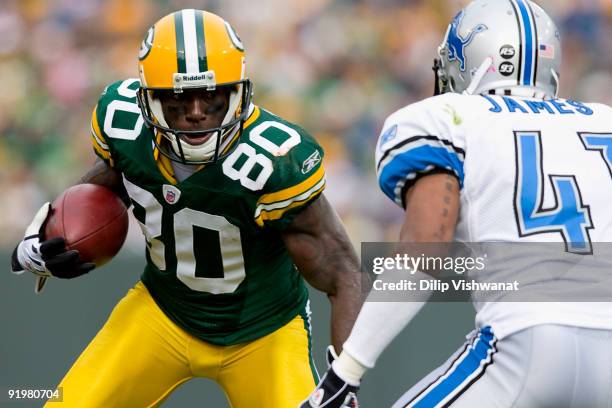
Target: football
[(92, 219)]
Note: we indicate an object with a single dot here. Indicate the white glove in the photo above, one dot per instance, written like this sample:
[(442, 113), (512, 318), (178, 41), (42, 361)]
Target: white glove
[(47, 258), (28, 251)]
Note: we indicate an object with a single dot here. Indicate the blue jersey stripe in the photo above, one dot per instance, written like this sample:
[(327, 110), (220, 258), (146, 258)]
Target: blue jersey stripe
[(528, 29), (475, 360), (416, 160)]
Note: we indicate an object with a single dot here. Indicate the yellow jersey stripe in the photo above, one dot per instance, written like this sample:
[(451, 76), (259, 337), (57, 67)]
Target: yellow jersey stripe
[(252, 118), (97, 142), (165, 168), (293, 191), (278, 213), (282, 204), (163, 163), (95, 127), (157, 137), (102, 152), (97, 139)]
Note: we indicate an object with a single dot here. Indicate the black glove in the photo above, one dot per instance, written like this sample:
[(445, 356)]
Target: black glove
[(62, 263), (332, 391)]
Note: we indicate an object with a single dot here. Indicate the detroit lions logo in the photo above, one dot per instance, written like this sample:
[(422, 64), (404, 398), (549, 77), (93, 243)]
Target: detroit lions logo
[(456, 44)]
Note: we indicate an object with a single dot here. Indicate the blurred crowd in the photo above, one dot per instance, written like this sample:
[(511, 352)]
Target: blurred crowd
[(336, 67)]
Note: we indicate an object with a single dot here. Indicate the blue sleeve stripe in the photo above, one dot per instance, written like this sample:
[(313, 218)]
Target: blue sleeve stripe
[(414, 139), (405, 166)]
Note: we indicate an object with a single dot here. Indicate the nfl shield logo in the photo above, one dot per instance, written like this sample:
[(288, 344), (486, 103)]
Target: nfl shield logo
[(171, 194)]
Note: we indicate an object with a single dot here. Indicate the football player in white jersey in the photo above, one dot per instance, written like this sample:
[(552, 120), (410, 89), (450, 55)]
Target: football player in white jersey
[(497, 156)]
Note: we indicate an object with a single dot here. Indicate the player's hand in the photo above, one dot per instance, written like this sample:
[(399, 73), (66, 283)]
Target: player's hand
[(332, 391), (47, 258)]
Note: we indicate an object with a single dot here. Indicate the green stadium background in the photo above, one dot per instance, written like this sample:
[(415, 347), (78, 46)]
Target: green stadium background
[(336, 67)]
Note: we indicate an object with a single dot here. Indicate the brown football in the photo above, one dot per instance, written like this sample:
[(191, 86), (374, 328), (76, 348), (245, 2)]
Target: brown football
[(92, 219)]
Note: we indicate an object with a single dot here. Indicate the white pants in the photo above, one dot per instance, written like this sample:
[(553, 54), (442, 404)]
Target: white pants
[(540, 367)]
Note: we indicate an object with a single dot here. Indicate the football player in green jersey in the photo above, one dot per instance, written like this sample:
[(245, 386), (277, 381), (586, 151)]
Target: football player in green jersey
[(229, 199)]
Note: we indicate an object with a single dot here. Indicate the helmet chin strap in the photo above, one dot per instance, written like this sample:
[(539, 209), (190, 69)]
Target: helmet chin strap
[(478, 75)]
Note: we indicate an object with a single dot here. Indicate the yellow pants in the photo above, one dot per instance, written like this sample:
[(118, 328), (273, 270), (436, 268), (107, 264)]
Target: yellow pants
[(140, 356)]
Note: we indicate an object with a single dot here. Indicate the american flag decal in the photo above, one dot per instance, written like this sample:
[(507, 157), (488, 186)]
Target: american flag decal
[(547, 51)]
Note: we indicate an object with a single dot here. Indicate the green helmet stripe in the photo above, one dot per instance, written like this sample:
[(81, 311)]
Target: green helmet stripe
[(202, 61), (180, 42)]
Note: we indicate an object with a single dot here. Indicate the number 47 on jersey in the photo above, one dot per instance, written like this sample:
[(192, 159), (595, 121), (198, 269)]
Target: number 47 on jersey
[(570, 217)]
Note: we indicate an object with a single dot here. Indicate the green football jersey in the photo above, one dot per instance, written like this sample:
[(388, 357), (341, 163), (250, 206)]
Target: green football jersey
[(216, 263)]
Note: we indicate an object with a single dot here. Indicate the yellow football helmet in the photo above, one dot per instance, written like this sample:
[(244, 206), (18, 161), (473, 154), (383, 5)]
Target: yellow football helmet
[(191, 49)]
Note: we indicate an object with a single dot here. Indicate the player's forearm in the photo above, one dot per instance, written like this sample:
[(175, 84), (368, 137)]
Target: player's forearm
[(102, 174), (337, 273), (326, 258), (330, 265), (343, 316), (346, 298)]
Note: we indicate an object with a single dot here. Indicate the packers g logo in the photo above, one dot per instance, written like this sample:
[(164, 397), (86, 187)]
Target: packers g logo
[(233, 35), (146, 44)]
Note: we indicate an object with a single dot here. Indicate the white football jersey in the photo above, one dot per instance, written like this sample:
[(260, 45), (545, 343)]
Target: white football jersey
[(530, 171)]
